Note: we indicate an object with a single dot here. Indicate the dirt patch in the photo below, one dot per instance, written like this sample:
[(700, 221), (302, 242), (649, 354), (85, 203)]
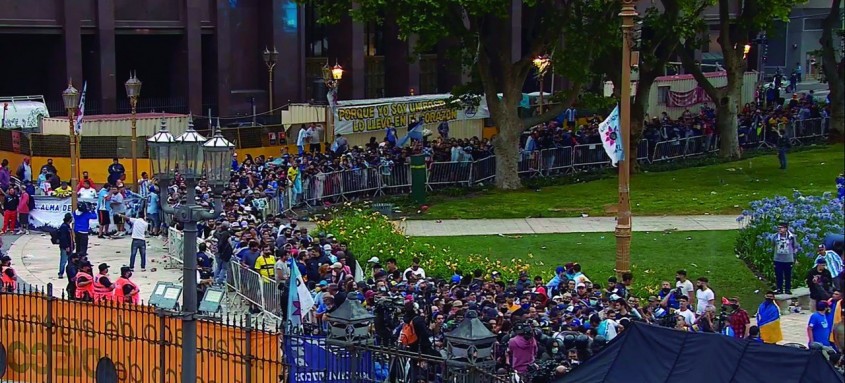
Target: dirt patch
[(611, 208)]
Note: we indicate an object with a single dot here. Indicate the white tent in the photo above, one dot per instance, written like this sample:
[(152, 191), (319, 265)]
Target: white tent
[(23, 112)]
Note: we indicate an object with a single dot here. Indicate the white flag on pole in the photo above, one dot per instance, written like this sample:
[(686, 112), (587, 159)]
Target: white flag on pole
[(77, 127), (611, 139)]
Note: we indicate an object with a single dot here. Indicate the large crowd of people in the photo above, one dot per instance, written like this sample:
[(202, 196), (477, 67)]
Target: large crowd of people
[(545, 324)]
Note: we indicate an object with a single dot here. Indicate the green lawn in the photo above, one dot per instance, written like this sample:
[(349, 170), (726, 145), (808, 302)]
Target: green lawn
[(716, 189), (655, 257)]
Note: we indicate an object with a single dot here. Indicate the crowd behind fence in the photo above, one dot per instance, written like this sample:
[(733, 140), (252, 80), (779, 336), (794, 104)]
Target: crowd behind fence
[(396, 179)]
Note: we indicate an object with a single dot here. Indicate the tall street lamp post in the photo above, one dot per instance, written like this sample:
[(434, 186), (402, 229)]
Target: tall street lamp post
[(623, 218), (542, 65), (133, 91), (70, 96), (270, 61), (194, 154), (331, 77)]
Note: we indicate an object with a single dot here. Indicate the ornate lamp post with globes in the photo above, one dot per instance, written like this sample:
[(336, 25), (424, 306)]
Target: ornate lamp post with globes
[(270, 61), (194, 154), (133, 91), (70, 96)]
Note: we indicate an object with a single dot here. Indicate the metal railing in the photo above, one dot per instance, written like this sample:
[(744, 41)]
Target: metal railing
[(390, 178), (141, 342)]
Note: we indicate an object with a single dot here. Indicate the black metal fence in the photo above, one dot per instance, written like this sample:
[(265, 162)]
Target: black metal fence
[(57, 340)]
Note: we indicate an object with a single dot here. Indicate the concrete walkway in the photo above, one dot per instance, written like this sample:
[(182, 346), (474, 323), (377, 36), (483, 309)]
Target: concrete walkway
[(460, 227), (36, 260)]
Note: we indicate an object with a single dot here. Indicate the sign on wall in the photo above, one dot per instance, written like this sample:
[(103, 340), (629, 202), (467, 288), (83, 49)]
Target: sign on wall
[(357, 116)]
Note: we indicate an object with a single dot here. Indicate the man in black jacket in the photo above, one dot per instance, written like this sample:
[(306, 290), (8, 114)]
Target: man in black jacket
[(65, 235), (224, 253), (116, 171)]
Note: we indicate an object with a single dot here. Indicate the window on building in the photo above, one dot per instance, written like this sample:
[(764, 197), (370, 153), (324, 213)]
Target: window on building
[(813, 24), (663, 94), (374, 44), (316, 39)]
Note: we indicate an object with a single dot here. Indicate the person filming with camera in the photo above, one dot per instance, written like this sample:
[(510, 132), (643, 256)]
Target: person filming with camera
[(82, 226)]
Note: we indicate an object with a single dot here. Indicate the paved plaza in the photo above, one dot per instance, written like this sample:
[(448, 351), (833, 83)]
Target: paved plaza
[(36, 261)]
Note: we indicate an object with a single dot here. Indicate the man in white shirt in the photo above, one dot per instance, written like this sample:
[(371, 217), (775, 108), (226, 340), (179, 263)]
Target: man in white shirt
[(684, 310), (87, 192), (703, 296), (314, 133), (302, 139), (139, 241), (415, 269), (685, 285)]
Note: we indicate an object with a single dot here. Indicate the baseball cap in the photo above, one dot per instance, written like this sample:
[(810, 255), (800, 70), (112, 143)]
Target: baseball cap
[(820, 261), (327, 247), (456, 279), (373, 260)]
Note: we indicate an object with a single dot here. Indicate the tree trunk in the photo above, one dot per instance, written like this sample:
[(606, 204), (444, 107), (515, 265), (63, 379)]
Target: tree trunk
[(506, 146), (726, 125), (833, 73)]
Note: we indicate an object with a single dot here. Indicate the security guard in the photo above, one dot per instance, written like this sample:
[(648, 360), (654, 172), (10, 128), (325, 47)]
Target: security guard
[(126, 291), (103, 288), (8, 278), (85, 282)]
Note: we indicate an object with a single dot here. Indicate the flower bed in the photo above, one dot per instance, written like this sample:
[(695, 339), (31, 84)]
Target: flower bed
[(810, 218), (371, 234)]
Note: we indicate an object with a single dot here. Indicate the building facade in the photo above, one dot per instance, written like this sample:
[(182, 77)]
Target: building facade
[(196, 55)]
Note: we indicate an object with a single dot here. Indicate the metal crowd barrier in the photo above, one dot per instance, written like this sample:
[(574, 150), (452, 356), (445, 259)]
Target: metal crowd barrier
[(396, 179), (449, 173), (590, 155), (807, 129), (255, 289)]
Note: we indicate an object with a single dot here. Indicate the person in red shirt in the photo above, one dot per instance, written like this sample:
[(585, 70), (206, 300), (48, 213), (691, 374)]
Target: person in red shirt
[(85, 177), (739, 320)]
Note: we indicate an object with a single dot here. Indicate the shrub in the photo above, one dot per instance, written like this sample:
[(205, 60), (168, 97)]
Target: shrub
[(810, 218), (370, 234)]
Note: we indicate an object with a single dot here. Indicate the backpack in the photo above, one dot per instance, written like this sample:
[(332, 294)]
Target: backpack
[(30, 203), (408, 336), (54, 237)]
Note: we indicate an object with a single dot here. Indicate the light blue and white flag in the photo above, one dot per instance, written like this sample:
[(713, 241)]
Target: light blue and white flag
[(611, 138), (77, 127), (300, 300), (414, 133)]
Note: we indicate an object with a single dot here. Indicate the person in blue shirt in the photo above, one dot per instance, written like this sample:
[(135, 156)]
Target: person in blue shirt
[(667, 296), (81, 226), (818, 328), (153, 211), (203, 260)]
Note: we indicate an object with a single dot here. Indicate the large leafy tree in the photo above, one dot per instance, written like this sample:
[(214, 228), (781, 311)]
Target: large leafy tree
[(834, 68), (662, 25), (739, 22), (578, 31)]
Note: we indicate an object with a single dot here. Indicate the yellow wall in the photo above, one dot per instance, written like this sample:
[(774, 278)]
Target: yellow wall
[(97, 168)]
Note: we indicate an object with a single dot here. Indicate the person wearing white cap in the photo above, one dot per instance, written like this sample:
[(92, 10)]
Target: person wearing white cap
[(338, 275)]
